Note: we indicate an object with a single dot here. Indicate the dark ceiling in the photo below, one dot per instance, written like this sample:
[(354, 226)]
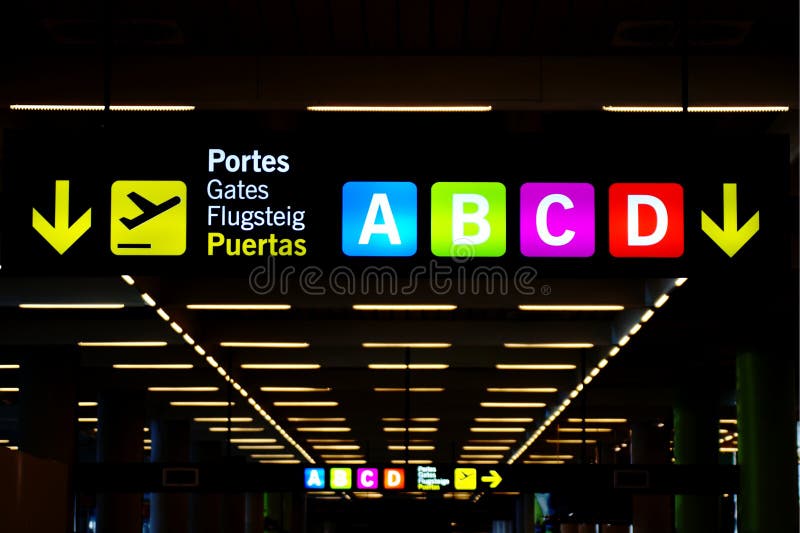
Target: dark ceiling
[(394, 27)]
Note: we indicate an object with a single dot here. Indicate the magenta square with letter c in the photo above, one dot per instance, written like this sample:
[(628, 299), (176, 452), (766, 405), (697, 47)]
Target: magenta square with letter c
[(367, 478), (556, 219)]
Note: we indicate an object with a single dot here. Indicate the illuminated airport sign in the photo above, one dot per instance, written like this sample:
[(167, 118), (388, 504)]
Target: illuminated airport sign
[(428, 478), (227, 207)]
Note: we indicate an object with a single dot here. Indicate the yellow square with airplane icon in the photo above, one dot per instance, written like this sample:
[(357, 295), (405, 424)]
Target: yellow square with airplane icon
[(465, 479), (148, 217)]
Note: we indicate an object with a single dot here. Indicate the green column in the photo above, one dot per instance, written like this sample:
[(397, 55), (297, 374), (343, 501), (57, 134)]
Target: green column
[(696, 442), (765, 404)]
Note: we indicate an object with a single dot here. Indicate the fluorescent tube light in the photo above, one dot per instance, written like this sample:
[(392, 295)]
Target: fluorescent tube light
[(401, 109), (581, 307), (71, 306)]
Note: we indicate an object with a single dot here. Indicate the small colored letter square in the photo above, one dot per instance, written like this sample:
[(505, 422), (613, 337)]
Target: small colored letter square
[(379, 218), (556, 219), (367, 478), (468, 219), (341, 478), (315, 478), (394, 478), (645, 220)]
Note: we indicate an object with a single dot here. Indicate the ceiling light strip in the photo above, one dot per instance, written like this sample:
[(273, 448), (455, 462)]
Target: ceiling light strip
[(150, 301), (406, 345), (698, 109), (239, 307), (404, 307), (580, 307), (594, 372), (157, 366), (401, 109), (266, 344), (71, 306), (122, 344), (92, 107), (555, 345)]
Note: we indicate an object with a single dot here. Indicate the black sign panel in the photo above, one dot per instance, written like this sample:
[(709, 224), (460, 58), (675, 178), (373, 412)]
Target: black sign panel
[(225, 202), (663, 479)]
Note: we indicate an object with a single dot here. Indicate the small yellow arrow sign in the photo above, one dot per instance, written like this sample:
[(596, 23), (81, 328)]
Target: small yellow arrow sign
[(730, 237), (61, 235), (493, 479)]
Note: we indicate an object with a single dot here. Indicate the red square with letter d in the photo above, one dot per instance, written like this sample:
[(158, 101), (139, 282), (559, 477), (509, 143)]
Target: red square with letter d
[(645, 220)]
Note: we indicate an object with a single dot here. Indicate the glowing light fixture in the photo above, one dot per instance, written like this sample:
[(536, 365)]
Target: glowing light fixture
[(513, 404), (324, 429), (643, 109), (406, 345), (523, 420), (412, 366), (295, 389), (55, 107), (154, 366), (582, 307), (587, 430), (523, 389), (413, 429), (71, 306), (411, 389), (200, 404), (598, 420), (234, 344), (305, 404), (316, 419), (497, 430), (183, 389), (404, 307), (92, 107), (123, 344), (280, 366), (556, 345), (739, 109), (401, 109), (239, 307), (222, 429), (509, 366), (661, 300), (222, 420)]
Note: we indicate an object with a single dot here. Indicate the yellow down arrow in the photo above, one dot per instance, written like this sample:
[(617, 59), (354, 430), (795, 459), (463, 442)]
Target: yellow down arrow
[(493, 479), (730, 237), (61, 235)]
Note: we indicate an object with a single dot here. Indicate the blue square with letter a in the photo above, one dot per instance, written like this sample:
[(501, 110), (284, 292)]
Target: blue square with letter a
[(314, 478), (379, 218)]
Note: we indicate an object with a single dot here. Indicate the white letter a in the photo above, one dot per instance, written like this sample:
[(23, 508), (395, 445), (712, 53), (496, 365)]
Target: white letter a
[(379, 202)]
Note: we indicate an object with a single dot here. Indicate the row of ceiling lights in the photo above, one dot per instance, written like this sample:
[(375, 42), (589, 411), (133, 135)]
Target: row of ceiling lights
[(150, 301), (648, 314), (417, 109)]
